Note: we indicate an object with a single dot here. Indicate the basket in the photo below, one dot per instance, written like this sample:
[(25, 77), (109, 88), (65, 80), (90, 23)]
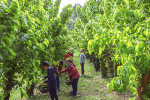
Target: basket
[(43, 88), (68, 81)]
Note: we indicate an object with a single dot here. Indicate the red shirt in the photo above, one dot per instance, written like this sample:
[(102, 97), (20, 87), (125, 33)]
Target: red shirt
[(66, 56), (60, 68), (71, 54), (73, 71)]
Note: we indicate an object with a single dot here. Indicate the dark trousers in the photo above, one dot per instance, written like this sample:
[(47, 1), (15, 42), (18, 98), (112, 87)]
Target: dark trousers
[(53, 93), (74, 86), (82, 68), (57, 82)]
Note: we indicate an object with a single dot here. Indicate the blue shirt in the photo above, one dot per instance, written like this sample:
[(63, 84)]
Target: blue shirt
[(51, 77)]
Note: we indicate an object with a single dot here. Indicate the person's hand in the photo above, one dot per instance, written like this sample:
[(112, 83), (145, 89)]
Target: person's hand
[(58, 73), (42, 78)]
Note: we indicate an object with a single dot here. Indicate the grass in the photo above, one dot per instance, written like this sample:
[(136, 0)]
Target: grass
[(91, 86)]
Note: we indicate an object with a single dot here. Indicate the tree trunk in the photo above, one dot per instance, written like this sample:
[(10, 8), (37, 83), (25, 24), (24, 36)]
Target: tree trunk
[(29, 89), (87, 55), (10, 82), (103, 68), (9, 85), (111, 67), (98, 64), (90, 58), (143, 84), (7, 89)]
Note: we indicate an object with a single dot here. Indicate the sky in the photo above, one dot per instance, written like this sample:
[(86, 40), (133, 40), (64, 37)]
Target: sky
[(66, 2)]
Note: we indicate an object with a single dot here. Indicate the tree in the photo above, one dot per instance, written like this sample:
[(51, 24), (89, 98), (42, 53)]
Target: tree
[(72, 20), (28, 36), (119, 29)]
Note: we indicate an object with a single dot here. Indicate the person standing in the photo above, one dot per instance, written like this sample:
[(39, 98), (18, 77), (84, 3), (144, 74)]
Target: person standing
[(73, 74), (71, 52), (82, 61), (57, 77), (51, 80)]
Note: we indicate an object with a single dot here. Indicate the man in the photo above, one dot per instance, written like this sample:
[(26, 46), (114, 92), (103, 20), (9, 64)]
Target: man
[(51, 80)]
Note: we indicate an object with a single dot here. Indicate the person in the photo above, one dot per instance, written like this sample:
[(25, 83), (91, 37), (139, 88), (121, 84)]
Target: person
[(66, 55), (73, 74), (57, 77), (71, 52), (51, 80), (82, 61)]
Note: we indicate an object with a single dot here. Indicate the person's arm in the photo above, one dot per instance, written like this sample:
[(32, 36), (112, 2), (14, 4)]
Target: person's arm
[(80, 58), (65, 70), (84, 57), (46, 81), (46, 76)]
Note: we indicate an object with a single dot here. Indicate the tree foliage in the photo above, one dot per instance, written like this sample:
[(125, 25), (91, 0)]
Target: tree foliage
[(30, 32), (120, 28)]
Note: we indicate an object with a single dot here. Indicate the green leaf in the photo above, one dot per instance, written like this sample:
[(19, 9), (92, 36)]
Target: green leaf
[(148, 56), (148, 23), (6, 9), (29, 43), (110, 87), (100, 50), (12, 54), (14, 8), (147, 32), (46, 42)]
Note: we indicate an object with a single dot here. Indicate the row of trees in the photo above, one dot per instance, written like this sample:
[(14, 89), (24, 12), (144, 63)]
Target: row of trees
[(118, 33), (30, 32)]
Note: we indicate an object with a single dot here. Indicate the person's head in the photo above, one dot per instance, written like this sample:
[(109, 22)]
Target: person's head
[(46, 65), (81, 50), (68, 61), (71, 49), (60, 62)]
